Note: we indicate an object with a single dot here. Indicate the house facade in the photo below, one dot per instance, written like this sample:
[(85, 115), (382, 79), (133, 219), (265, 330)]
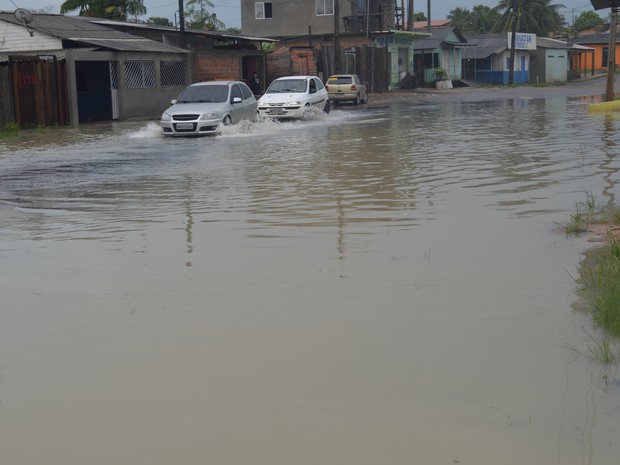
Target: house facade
[(600, 44), (215, 55), (285, 18), (549, 62), (334, 37), (443, 49), (105, 74), (488, 60)]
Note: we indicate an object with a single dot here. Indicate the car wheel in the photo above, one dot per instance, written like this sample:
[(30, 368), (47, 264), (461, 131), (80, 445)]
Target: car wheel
[(357, 99), (227, 121), (365, 99), (327, 107)]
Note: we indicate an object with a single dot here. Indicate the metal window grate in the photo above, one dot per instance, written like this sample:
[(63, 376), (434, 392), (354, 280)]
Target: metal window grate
[(173, 73), (139, 74)]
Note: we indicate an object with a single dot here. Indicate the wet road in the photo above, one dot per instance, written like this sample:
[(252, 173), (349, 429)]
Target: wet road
[(385, 284)]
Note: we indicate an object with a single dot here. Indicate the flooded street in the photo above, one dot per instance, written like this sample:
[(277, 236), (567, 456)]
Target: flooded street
[(385, 284)]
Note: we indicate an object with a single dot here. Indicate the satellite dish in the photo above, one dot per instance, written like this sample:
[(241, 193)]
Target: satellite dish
[(23, 16)]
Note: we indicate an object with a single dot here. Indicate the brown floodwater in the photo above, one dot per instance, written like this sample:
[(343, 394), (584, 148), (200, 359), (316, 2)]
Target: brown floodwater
[(386, 284)]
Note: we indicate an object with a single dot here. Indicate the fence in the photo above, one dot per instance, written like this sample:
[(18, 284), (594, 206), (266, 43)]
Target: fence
[(33, 91)]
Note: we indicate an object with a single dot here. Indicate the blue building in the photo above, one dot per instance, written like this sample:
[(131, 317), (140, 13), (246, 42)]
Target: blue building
[(488, 60)]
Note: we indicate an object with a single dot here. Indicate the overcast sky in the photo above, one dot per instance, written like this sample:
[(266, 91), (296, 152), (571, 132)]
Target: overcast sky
[(228, 11)]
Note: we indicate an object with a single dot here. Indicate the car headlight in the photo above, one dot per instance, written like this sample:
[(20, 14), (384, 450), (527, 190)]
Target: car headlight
[(295, 103), (211, 115), (262, 105), (166, 117)]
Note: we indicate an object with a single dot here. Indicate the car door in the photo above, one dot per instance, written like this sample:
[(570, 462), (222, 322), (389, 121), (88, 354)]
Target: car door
[(249, 102), (236, 109), (315, 96)]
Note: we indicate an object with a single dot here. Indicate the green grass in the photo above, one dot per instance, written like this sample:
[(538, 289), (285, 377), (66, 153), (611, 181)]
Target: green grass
[(599, 277), (583, 216), (10, 130), (601, 281)]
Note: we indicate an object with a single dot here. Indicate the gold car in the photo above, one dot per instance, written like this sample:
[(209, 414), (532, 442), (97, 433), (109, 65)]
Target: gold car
[(347, 87)]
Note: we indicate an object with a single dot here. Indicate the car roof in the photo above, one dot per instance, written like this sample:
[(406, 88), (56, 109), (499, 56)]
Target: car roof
[(342, 75), (211, 83), (295, 77)]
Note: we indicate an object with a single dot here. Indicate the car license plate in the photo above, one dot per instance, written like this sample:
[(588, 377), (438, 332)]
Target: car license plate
[(185, 126), (276, 111)]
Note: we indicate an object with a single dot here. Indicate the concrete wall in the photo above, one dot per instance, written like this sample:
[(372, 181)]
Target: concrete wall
[(132, 102)]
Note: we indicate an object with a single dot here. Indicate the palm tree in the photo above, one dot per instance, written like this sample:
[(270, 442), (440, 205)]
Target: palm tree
[(114, 9), (483, 19), (534, 16)]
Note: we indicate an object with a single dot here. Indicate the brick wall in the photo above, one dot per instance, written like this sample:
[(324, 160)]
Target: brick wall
[(216, 67)]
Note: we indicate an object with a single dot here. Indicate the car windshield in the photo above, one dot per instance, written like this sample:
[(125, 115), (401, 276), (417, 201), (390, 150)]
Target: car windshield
[(287, 85), (204, 94), (340, 80)]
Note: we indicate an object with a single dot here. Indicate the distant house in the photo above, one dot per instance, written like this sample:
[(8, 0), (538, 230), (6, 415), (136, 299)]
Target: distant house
[(489, 60), (96, 73), (365, 37), (600, 44), (549, 62), (443, 49), (284, 18)]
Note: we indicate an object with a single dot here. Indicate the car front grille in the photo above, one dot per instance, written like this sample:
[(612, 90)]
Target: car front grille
[(185, 117)]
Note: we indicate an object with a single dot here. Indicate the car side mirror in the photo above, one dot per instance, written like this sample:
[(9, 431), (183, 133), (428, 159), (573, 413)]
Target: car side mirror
[(237, 100), (173, 102)]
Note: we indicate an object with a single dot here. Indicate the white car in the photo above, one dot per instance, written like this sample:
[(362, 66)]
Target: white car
[(292, 97), (203, 106)]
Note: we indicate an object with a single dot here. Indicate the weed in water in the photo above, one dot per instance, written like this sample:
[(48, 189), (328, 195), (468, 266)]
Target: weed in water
[(602, 352)]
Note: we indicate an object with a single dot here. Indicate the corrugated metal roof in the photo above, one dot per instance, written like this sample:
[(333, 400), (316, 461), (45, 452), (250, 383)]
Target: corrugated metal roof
[(485, 45), (213, 34), (439, 36), (85, 32), (602, 38), (546, 42)]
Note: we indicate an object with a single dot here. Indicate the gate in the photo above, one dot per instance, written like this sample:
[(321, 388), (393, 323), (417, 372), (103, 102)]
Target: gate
[(39, 88)]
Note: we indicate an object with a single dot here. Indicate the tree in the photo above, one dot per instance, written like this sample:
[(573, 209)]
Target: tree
[(159, 21), (588, 19), (461, 19), (483, 20), (419, 16), (199, 16), (114, 9), (480, 20), (534, 16)]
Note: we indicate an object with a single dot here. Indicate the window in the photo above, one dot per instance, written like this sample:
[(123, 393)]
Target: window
[(139, 74), (236, 93), (173, 73), (605, 57), (324, 7), (247, 93), (262, 10)]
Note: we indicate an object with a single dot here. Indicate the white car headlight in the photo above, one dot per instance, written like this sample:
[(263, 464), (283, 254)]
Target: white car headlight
[(211, 115), (262, 105), (295, 103), (166, 117)]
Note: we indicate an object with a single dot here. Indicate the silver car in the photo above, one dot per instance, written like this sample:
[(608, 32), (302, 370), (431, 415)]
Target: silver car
[(203, 106)]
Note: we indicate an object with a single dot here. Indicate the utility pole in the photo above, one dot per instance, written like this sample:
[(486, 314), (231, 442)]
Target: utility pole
[(428, 12), (410, 15), (336, 36), (182, 23), (611, 55), (513, 38)]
